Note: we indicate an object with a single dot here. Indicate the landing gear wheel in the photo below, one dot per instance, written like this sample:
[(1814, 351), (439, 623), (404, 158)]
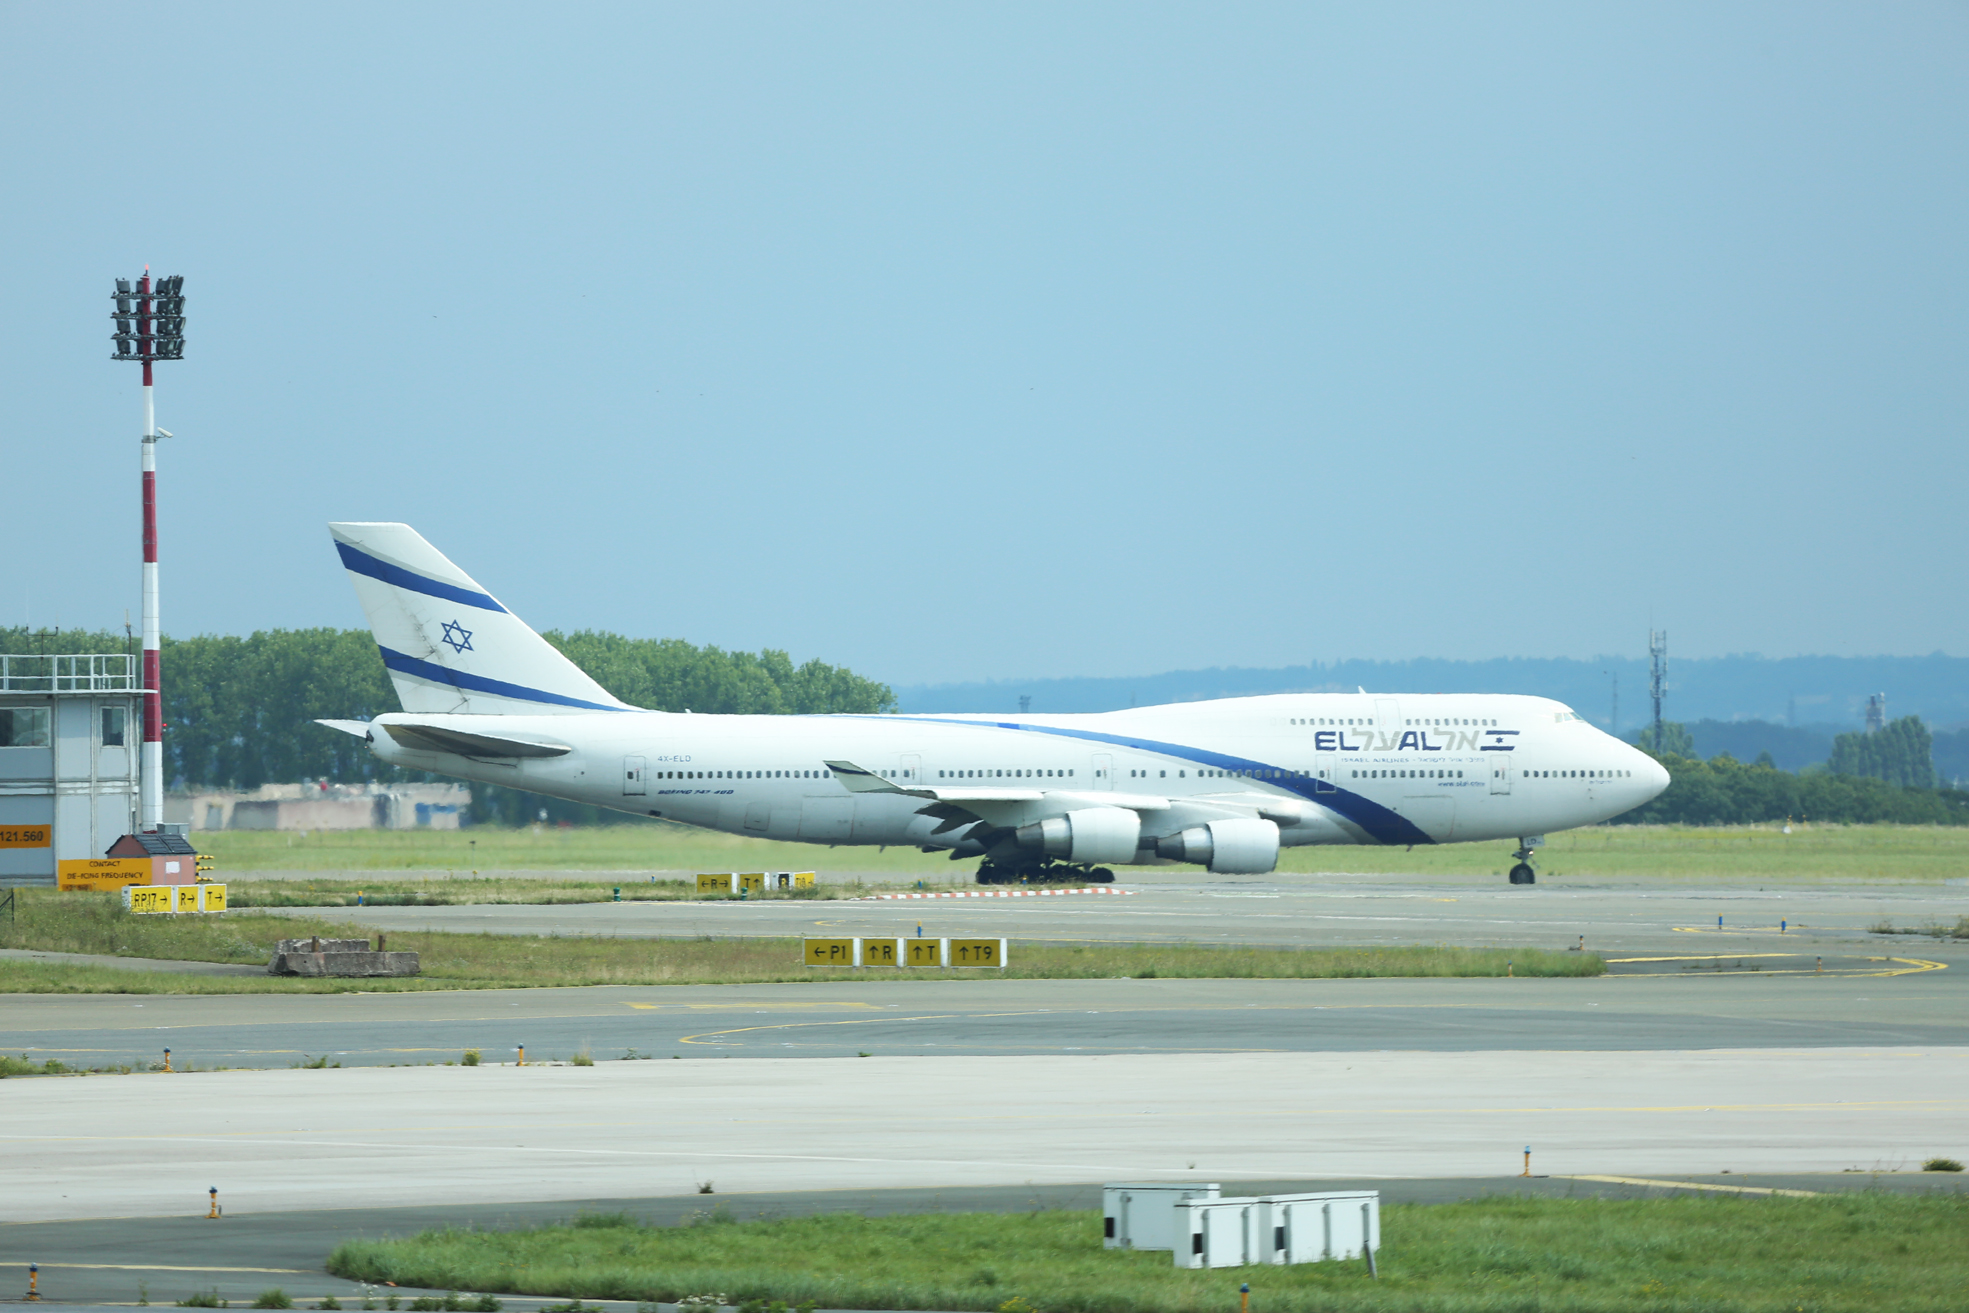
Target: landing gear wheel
[(988, 873), (1100, 875), (1523, 874)]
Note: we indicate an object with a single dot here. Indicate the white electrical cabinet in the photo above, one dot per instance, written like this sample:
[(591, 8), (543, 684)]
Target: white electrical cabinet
[(1310, 1228), (1144, 1216), (1221, 1233), (1294, 1228)]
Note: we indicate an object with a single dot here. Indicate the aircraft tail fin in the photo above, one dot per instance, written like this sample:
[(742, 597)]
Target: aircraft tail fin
[(449, 645)]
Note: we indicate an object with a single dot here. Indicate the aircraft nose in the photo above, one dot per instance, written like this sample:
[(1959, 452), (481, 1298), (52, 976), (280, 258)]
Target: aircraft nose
[(1649, 773)]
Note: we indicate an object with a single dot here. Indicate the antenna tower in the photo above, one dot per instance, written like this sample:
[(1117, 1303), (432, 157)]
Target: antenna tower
[(1657, 675)]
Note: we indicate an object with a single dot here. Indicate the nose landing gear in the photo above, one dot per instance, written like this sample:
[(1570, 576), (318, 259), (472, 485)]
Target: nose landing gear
[(1522, 872)]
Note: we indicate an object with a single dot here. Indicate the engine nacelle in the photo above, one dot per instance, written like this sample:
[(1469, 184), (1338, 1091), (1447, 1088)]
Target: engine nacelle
[(1230, 847), (1092, 834)]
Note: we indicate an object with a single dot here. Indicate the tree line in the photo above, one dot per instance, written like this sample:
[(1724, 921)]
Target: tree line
[(1885, 776), (239, 711)]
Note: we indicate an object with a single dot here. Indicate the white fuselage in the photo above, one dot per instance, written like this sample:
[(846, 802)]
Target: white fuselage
[(1330, 768)]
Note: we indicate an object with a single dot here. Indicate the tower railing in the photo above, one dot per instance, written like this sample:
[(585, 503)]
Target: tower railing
[(81, 672)]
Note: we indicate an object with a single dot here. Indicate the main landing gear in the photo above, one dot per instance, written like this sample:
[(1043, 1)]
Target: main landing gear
[(1043, 873), (1522, 872)]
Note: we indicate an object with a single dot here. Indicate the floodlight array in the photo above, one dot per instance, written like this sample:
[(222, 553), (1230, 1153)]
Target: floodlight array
[(150, 321)]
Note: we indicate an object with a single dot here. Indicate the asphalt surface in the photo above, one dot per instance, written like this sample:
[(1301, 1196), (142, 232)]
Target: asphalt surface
[(1859, 1004), (1786, 968), (1622, 918), (112, 1262)]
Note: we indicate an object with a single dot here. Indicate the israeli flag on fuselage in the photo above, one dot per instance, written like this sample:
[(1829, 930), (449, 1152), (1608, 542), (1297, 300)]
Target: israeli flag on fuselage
[(449, 645)]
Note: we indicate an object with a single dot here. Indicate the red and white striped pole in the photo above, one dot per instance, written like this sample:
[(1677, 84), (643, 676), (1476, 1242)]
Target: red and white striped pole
[(156, 310), (151, 773)]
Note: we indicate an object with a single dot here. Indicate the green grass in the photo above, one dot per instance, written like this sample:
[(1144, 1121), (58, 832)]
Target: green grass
[(636, 848), (96, 923), (1862, 1251), (1724, 854)]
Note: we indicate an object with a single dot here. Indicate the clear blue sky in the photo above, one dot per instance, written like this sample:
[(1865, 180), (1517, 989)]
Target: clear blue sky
[(1003, 341)]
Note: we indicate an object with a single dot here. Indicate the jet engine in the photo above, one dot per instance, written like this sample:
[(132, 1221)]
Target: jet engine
[(1230, 847), (1092, 834)]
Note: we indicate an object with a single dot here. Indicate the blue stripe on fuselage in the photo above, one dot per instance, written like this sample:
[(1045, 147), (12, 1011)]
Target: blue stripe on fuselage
[(362, 562), (1384, 824)]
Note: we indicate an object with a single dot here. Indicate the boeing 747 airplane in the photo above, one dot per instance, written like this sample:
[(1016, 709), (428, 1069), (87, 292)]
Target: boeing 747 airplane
[(1222, 784)]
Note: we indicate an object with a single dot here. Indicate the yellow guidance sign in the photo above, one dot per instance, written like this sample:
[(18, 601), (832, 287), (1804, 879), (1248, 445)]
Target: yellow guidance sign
[(95, 873), (145, 899), (722, 883), (913, 952), (831, 952), (152, 899), (976, 953)]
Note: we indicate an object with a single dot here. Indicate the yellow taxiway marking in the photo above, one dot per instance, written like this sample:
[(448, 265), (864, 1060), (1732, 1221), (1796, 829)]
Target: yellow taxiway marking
[(1693, 1185), (165, 1267), (1910, 966), (1736, 929), (1703, 957)]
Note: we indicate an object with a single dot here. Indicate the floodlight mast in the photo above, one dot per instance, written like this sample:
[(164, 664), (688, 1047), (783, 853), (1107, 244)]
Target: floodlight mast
[(157, 314)]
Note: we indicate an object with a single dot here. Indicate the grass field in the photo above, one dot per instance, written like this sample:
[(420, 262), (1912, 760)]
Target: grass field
[(1829, 1254), (1723, 854), (97, 924)]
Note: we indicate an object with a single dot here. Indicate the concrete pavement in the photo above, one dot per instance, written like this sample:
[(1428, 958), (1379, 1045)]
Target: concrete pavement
[(380, 1137)]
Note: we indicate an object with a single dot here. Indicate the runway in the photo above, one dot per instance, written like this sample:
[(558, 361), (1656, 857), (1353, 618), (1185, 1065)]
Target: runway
[(375, 1137), (1858, 1005)]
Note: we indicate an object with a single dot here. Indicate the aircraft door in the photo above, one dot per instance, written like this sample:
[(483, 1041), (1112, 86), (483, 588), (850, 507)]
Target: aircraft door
[(1500, 772), (634, 772), (912, 771), (1388, 718), (1103, 770), (1326, 769)]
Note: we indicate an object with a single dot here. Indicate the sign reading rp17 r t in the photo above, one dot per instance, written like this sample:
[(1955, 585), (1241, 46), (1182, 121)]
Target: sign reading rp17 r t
[(150, 326)]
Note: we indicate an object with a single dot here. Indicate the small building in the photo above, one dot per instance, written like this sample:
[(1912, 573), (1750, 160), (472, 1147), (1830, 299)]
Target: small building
[(69, 731)]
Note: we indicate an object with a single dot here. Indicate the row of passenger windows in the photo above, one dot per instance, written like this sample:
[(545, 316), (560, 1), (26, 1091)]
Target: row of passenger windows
[(1261, 773), (1002, 774), (742, 774), (1578, 774)]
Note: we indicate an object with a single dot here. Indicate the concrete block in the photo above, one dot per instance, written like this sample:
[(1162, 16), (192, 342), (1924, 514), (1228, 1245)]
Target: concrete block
[(338, 957)]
